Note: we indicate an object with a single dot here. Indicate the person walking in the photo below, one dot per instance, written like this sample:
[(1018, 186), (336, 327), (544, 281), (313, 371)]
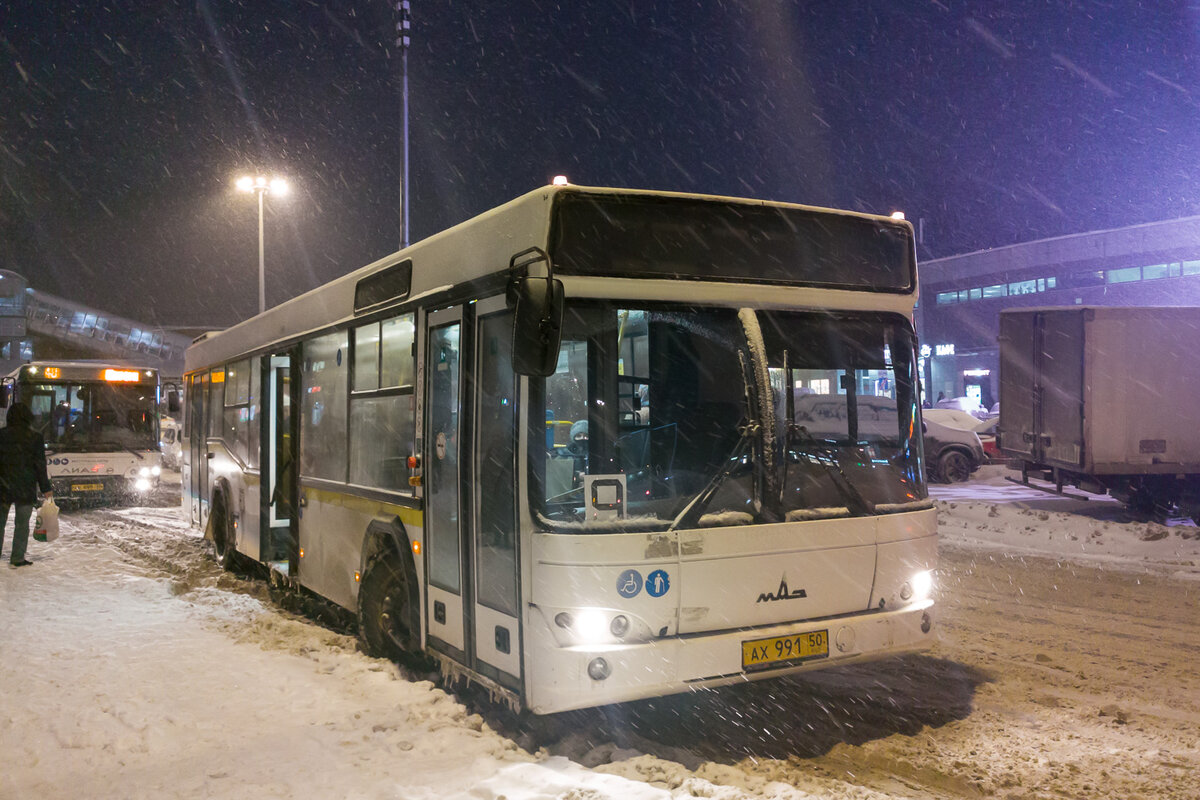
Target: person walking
[(22, 475)]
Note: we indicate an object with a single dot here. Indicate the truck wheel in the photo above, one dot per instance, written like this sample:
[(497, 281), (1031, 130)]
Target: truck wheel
[(385, 611), (954, 467)]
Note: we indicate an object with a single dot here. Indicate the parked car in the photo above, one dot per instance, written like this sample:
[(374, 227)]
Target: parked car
[(952, 447), (963, 404), (986, 431)]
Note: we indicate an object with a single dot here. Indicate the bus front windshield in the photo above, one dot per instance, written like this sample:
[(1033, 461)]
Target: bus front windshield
[(668, 417), (92, 417)]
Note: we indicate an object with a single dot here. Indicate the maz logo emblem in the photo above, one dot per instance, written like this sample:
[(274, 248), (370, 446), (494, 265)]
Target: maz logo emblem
[(782, 593)]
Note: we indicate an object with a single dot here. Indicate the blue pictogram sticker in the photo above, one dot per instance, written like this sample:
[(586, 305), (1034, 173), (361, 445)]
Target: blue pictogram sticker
[(629, 583), (657, 583)]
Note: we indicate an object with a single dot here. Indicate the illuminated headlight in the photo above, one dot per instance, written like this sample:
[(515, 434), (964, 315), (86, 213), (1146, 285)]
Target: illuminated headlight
[(156, 470), (918, 588), (142, 484), (144, 472), (591, 625)]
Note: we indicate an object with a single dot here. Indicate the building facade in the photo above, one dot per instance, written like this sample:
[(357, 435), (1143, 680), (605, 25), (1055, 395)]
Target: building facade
[(958, 319)]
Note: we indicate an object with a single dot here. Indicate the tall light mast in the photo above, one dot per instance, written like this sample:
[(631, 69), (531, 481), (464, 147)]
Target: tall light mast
[(403, 29)]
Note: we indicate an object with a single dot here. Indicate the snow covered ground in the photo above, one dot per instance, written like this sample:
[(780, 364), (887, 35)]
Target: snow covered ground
[(992, 512), (131, 666)]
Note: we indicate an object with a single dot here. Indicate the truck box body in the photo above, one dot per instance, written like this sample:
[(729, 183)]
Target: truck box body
[(1102, 391)]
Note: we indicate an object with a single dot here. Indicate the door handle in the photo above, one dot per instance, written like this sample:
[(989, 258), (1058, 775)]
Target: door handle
[(1028, 438), (210, 455)]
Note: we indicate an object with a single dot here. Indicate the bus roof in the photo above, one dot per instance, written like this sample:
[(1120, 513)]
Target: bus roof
[(473, 249)]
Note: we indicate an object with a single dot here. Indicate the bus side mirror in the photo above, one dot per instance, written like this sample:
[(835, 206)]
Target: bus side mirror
[(5, 395), (537, 325)]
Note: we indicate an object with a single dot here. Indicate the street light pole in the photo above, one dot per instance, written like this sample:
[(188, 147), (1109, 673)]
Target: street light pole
[(262, 261), (403, 40), (261, 186)]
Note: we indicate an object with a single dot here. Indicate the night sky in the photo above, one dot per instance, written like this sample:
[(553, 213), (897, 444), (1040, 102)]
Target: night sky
[(124, 124)]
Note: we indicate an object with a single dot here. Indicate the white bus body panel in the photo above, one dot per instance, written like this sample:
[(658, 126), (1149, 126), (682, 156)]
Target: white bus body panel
[(333, 526), (850, 570)]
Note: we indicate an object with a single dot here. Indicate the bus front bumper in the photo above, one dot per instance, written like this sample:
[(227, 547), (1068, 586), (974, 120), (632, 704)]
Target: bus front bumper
[(566, 678)]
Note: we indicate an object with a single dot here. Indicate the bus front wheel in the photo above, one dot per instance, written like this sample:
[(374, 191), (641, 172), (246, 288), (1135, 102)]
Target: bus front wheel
[(385, 609), (224, 547)]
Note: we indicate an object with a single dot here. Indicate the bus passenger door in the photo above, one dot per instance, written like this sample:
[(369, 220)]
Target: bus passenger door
[(470, 510), (446, 602), (279, 461), (197, 476), (493, 492)]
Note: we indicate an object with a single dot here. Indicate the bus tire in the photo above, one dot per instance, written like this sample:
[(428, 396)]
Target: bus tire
[(224, 547), (386, 612)]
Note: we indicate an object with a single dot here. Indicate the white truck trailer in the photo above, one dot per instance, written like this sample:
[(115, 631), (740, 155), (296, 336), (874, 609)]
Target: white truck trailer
[(1106, 399)]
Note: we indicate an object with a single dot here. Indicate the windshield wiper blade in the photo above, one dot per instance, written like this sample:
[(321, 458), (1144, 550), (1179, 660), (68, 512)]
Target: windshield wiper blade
[(833, 467), (692, 511)]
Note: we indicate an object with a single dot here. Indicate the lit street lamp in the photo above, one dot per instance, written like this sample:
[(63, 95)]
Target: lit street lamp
[(261, 186)]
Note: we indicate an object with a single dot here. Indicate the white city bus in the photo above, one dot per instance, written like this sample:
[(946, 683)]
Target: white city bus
[(565, 447), (100, 424)]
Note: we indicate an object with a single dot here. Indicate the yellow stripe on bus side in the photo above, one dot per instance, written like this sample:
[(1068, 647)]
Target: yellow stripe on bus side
[(411, 517)]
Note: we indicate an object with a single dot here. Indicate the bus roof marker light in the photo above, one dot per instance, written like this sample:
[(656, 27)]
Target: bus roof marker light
[(561, 180), (897, 215)]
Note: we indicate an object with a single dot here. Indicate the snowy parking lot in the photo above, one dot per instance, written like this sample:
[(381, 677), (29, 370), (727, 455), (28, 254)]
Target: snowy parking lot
[(131, 666)]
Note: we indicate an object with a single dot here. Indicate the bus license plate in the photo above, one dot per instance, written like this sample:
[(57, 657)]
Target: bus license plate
[(780, 650), (87, 487)]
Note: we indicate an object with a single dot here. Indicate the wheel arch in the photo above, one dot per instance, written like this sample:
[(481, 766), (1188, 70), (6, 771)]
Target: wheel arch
[(392, 536)]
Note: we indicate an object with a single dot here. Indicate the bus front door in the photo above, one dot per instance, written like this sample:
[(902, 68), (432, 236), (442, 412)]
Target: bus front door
[(470, 516)]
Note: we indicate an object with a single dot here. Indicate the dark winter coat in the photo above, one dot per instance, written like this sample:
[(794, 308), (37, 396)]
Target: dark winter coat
[(22, 465)]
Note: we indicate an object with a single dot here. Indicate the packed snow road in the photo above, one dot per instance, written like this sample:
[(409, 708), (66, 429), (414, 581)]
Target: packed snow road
[(132, 667)]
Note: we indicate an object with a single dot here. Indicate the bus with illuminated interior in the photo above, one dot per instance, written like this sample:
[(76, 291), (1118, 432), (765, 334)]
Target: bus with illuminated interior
[(590, 446), (100, 424)]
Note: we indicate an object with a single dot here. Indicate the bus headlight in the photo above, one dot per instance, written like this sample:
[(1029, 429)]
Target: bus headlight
[(591, 625), (142, 484), (156, 470), (918, 588)]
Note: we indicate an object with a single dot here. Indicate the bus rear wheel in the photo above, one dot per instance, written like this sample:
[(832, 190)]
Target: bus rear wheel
[(385, 610)]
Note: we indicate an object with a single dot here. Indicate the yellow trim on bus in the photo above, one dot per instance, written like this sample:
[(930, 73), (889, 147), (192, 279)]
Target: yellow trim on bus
[(412, 517)]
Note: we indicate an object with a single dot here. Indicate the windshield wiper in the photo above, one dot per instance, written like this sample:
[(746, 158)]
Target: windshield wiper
[(751, 436), (692, 511), (832, 466)]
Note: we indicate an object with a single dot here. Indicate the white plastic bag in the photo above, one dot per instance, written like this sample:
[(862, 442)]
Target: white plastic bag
[(45, 529)]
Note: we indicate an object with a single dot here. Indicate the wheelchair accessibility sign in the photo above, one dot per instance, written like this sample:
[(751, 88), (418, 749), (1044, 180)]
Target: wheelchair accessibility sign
[(629, 583)]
